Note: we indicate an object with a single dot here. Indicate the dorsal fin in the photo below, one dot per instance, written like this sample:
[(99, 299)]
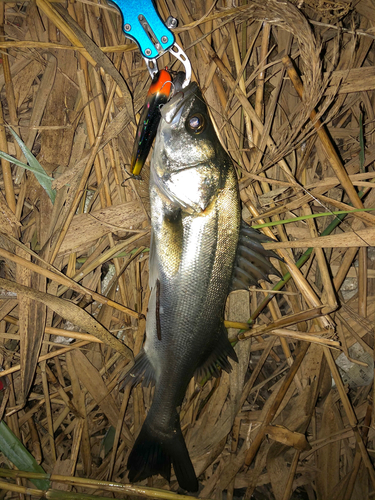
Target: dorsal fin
[(252, 262)]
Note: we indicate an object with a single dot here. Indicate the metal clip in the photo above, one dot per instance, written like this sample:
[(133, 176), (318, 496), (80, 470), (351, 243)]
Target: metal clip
[(142, 23)]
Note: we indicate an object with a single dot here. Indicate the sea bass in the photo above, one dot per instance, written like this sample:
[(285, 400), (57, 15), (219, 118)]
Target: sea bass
[(200, 250)]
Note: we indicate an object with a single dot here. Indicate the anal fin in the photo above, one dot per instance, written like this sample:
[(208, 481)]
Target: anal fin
[(218, 357), (142, 370)]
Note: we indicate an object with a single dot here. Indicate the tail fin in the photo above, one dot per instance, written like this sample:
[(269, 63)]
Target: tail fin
[(154, 452)]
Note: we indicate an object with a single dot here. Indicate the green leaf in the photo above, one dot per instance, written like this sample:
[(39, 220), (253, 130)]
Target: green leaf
[(9, 158), (34, 166), (108, 440), (311, 216), (15, 451)]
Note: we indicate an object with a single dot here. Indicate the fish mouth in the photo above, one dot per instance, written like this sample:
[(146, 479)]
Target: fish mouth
[(157, 96), (171, 111)]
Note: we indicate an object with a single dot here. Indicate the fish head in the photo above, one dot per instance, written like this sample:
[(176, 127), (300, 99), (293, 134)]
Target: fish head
[(186, 133), (187, 154)]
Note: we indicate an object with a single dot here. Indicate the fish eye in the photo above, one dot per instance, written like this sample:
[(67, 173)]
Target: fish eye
[(196, 123)]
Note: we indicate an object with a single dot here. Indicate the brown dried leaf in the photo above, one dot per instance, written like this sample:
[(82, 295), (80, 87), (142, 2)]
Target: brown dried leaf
[(87, 228), (328, 457), (71, 312), (93, 382), (283, 435)]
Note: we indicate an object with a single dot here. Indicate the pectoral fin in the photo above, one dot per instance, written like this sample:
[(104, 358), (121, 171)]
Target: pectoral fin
[(252, 262)]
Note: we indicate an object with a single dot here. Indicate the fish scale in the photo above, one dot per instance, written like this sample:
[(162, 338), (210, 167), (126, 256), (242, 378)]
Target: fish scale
[(196, 230)]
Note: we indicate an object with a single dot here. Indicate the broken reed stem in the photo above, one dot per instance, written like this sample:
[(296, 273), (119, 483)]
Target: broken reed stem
[(65, 281), (210, 73), (329, 148), (238, 64), (292, 472), (259, 94), (358, 457), (52, 331), (362, 281), (48, 411), (8, 77), (284, 332), (252, 451), (291, 319), (129, 489), (97, 84), (50, 355), (62, 26), (90, 130), (124, 405), (5, 165), (329, 292), (350, 414), (85, 176), (276, 315)]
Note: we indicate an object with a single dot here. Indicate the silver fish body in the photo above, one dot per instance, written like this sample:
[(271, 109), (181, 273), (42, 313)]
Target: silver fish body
[(196, 231)]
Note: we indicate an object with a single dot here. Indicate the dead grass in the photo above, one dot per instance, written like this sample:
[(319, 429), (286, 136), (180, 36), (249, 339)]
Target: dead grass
[(74, 274)]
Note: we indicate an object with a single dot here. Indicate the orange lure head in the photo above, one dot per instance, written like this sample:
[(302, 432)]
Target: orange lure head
[(157, 95)]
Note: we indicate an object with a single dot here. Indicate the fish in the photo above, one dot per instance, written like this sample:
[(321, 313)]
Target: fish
[(200, 251)]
